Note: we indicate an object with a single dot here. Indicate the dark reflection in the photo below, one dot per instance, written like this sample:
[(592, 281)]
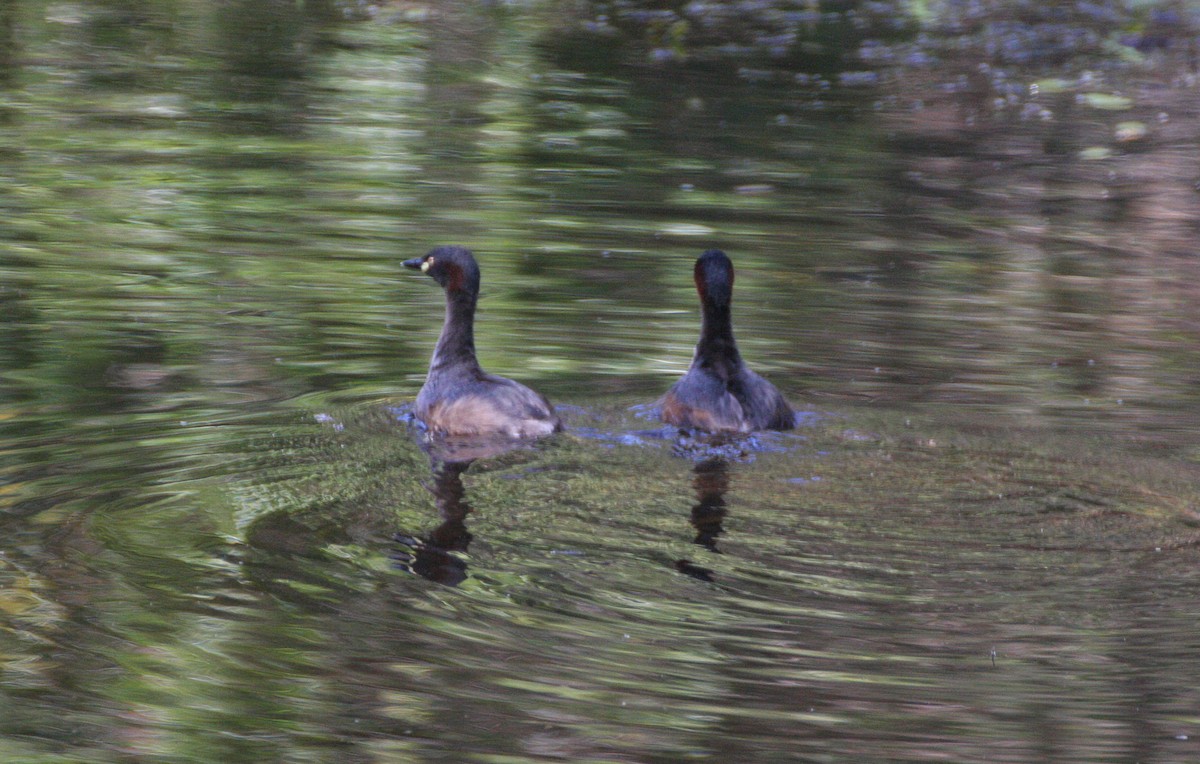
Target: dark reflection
[(8, 45), (813, 37), (18, 320), (712, 455), (263, 52), (122, 44), (710, 479), (433, 556)]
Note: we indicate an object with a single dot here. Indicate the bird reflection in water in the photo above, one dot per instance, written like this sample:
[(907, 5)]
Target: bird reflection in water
[(710, 479), (438, 554), (434, 556)]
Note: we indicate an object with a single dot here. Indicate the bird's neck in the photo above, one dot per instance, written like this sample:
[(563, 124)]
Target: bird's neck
[(717, 349), (456, 346)]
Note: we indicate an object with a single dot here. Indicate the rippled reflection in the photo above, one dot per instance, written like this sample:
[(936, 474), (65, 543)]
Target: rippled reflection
[(711, 481), (965, 242), (433, 556)]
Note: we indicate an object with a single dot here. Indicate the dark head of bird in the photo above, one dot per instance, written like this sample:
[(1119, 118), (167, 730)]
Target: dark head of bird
[(714, 279), (452, 267)]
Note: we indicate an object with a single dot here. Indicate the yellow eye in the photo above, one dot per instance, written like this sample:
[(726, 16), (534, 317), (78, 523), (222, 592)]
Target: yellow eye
[(425, 265)]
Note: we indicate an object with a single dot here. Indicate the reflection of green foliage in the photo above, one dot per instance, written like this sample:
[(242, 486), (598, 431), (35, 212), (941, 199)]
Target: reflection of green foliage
[(213, 245), (201, 311)]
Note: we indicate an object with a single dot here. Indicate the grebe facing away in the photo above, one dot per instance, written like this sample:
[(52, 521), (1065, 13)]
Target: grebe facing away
[(458, 397), (719, 393)]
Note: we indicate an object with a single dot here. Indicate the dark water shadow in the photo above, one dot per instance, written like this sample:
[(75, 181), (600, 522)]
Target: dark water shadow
[(713, 456), (437, 555), (710, 480)]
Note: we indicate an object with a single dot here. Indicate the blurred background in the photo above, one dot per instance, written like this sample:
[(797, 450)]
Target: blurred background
[(967, 202)]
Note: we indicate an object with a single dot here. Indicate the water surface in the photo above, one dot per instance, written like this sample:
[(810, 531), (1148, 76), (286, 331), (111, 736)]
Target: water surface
[(971, 270)]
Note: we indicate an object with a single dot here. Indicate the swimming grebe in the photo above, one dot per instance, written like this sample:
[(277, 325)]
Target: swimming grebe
[(719, 393), (458, 397)]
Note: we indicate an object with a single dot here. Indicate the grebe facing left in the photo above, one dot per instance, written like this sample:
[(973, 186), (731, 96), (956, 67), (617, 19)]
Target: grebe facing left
[(458, 397)]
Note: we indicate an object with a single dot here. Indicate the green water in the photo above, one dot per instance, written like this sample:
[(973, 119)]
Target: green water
[(221, 540)]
